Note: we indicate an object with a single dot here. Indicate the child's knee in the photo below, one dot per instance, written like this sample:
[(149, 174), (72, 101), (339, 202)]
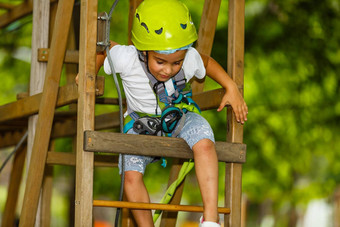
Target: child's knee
[(132, 178), (204, 145)]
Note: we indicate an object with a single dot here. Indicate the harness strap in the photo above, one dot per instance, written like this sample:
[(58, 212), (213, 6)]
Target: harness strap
[(173, 107), (158, 87)]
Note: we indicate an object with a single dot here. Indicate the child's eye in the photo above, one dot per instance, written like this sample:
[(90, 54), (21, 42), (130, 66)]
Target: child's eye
[(177, 63), (159, 62)]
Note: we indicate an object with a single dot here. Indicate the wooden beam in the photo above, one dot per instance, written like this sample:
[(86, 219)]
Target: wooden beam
[(111, 142), (66, 128), (69, 159), (16, 13), (169, 219), (30, 105), (132, 9), (209, 99), (46, 113), (11, 138), (8, 216), (233, 176), (71, 56), (154, 206), (7, 6), (86, 115), (206, 34)]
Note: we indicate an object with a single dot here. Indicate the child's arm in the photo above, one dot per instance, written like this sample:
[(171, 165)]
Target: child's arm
[(232, 95), (100, 59)]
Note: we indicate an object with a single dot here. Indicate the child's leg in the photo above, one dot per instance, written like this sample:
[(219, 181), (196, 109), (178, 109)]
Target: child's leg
[(135, 191), (134, 188), (206, 167), (200, 137)]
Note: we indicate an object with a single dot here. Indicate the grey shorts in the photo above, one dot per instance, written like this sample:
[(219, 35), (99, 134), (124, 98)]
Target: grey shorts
[(195, 129)]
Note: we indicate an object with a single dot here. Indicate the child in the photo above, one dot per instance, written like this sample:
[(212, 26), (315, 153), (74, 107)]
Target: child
[(162, 35)]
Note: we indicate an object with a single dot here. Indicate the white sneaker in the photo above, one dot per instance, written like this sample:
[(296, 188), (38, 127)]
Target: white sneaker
[(208, 223)]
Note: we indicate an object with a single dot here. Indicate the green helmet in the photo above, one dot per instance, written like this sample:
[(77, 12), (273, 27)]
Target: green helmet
[(162, 25)]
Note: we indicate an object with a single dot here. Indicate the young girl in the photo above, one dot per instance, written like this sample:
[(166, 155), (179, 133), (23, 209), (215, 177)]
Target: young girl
[(163, 34)]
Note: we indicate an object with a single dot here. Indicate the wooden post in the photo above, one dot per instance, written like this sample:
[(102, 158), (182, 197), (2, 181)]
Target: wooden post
[(206, 34), (8, 217), (71, 72), (40, 31), (133, 6), (169, 219), (235, 130), (85, 119), (46, 113), (46, 196), (336, 207)]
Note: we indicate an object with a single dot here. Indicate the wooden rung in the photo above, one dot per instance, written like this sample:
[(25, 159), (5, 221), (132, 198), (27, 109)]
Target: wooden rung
[(110, 142), (30, 105), (154, 206), (69, 159), (71, 56)]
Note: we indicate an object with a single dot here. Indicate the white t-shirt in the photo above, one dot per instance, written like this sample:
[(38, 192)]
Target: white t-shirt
[(139, 95)]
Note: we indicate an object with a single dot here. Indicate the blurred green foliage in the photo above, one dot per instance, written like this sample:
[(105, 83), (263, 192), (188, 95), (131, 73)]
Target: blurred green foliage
[(292, 68)]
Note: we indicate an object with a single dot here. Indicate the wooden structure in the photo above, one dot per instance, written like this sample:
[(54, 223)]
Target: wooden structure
[(82, 124)]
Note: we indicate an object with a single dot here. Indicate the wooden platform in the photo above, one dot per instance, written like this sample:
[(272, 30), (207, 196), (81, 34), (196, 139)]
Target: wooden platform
[(110, 142)]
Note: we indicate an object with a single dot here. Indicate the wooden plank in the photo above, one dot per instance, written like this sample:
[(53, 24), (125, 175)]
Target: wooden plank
[(71, 56), (16, 13), (66, 128), (46, 113), (11, 138), (8, 216), (111, 142), (209, 99), (46, 197), (69, 159), (7, 6), (30, 105), (206, 34), (233, 195), (169, 219), (40, 31), (154, 206), (132, 9), (85, 119)]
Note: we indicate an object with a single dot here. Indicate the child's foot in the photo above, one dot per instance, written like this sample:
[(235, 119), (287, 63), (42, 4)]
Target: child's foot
[(208, 223)]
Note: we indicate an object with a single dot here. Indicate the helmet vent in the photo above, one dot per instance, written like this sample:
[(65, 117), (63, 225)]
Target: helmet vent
[(145, 26), (184, 26), (137, 16), (159, 31)]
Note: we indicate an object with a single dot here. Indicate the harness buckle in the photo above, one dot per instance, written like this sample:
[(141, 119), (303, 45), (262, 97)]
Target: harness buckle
[(180, 83), (148, 126)]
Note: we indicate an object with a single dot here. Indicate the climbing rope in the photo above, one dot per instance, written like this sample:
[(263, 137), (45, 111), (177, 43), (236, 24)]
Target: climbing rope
[(120, 101), (22, 140)]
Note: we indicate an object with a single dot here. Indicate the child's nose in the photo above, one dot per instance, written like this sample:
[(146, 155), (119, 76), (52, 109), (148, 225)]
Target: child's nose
[(168, 70)]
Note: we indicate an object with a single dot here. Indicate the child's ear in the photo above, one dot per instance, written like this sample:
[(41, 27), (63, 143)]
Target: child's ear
[(144, 53)]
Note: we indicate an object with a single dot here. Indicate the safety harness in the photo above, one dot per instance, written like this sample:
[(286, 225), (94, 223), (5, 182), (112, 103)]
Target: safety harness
[(174, 107)]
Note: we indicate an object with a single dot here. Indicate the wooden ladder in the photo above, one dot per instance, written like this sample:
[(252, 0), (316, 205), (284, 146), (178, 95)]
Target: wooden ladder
[(89, 139)]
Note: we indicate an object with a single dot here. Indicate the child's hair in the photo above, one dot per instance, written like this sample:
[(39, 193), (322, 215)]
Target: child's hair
[(163, 25)]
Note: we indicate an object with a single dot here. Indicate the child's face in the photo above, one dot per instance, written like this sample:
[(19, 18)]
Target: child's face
[(165, 66)]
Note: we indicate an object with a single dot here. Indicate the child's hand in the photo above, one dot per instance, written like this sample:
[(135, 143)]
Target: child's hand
[(235, 99), (77, 79)]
